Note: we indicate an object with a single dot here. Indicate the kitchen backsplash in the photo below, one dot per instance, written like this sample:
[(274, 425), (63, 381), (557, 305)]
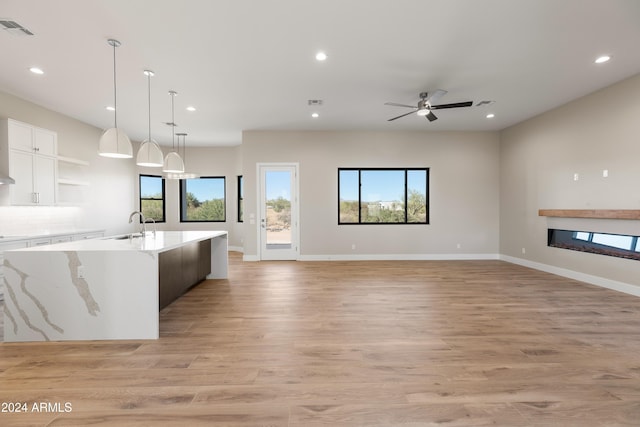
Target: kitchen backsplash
[(28, 220)]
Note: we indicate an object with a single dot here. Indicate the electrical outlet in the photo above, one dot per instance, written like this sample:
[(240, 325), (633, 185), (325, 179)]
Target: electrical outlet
[(524, 251), (353, 247), (458, 245), (605, 173), (80, 272)]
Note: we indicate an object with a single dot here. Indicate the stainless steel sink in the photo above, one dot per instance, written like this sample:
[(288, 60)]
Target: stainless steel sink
[(127, 236)]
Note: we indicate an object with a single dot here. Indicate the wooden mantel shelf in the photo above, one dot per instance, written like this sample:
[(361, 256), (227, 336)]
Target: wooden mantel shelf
[(592, 213)]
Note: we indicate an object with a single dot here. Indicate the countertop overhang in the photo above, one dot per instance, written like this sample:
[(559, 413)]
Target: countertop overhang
[(160, 242)]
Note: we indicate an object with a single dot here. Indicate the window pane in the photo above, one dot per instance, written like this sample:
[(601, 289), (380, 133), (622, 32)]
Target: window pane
[(613, 240), (582, 235), (278, 209), (152, 197), (417, 196), (382, 196), (151, 187), (152, 209), (202, 199), (348, 196)]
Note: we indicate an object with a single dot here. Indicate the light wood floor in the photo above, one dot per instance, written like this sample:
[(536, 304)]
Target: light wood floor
[(416, 343)]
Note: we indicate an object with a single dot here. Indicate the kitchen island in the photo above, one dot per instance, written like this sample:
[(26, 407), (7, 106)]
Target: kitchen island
[(103, 289)]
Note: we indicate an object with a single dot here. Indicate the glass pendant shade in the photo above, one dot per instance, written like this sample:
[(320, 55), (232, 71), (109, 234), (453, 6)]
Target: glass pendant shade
[(115, 143), (184, 175), (150, 154), (173, 163)]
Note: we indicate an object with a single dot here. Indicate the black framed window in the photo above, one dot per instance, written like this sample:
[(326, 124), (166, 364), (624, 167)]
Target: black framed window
[(383, 196), (152, 197), (203, 199), (240, 199)]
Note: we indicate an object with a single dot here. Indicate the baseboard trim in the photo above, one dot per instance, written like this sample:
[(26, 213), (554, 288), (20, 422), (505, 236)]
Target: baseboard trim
[(571, 274), (236, 249), (399, 257)]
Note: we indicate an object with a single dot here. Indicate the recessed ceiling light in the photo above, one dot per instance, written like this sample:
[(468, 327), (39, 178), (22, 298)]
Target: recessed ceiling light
[(315, 115), (110, 108), (191, 108), (602, 59), (490, 116), (321, 56), (36, 70)]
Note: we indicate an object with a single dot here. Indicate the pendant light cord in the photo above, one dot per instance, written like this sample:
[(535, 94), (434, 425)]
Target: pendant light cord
[(149, 99), (173, 123), (115, 93)]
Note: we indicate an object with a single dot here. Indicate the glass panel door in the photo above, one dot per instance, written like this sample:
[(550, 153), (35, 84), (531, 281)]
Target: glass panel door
[(278, 216)]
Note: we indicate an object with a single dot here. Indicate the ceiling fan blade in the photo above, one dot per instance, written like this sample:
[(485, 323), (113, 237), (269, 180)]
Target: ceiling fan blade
[(435, 95), (455, 105), (431, 117), (410, 112), (395, 104)]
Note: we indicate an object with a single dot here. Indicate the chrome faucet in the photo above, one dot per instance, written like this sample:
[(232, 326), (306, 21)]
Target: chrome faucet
[(143, 228), (154, 225)]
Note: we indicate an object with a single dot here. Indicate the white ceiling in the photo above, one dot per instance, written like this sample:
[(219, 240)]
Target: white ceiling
[(250, 64)]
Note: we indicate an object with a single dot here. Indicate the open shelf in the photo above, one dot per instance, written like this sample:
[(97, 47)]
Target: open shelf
[(592, 213), (65, 181), (72, 161)]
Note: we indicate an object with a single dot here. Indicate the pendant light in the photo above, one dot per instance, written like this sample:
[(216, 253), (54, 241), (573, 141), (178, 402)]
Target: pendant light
[(149, 154), (173, 162), (185, 174), (114, 142)]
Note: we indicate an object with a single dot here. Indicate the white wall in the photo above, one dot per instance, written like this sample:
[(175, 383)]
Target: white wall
[(464, 182), (538, 161), (106, 203)]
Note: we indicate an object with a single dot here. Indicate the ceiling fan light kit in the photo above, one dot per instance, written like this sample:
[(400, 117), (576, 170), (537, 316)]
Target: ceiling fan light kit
[(114, 142)]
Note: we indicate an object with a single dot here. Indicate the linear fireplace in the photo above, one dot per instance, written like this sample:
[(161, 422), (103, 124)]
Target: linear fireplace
[(617, 245)]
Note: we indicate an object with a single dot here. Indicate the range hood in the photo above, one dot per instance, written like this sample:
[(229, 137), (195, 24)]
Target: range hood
[(6, 179)]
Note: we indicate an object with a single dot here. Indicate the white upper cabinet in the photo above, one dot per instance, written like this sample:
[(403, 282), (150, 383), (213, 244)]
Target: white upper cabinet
[(32, 162)]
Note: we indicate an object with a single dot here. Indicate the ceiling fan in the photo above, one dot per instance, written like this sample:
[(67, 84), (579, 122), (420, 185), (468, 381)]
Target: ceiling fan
[(425, 107)]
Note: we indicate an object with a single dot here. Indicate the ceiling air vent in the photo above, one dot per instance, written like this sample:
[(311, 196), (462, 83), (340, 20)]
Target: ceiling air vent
[(315, 102), (12, 27)]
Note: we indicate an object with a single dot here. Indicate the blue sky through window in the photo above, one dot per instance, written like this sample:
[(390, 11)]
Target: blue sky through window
[(206, 189), (150, 186), (278, 184), (381, 185)]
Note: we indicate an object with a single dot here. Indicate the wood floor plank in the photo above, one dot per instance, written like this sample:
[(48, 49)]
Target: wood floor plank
[(367, 343)]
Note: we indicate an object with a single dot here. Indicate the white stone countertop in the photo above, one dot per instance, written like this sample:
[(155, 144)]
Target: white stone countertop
[(162, 241), (44, 234)]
